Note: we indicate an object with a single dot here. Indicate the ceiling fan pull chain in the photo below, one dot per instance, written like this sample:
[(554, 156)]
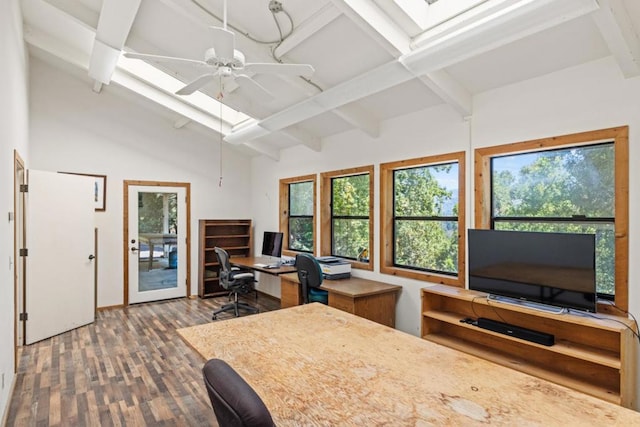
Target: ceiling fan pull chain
[(220, 102)]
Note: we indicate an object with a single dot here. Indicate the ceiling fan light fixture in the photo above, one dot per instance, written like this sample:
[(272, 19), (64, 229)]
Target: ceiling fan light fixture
[(224, 71)]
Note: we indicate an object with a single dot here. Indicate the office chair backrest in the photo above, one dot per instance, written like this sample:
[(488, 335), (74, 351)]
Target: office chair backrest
[(309, 275), (223, 260), (309, 270), (234, 402)]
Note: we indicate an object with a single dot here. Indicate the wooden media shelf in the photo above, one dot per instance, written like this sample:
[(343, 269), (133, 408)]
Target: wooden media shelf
[(593, 353)]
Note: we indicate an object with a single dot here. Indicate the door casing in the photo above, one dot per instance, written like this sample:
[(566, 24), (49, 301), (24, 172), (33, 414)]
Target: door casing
[(125, 232)]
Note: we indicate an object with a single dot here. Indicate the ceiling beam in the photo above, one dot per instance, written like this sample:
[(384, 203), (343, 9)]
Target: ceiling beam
[(450, 91), (617, 30), (376, 24), (367, 16), (116, 19), (494, 30), (265, 149), (306, 29), (359, 118), (181, 122), (301, 137)]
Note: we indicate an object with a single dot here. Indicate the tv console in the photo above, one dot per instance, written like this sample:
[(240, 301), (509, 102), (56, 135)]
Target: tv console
[(594, 356)]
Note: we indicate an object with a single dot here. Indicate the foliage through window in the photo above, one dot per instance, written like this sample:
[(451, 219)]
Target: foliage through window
[(425, 218), (346, 215), (297, 214), (576, 183), (350, 217), (301, 216), (569, 190)]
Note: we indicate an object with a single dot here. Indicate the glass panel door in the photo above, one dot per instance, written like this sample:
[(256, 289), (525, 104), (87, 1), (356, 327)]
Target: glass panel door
[(157, 243)]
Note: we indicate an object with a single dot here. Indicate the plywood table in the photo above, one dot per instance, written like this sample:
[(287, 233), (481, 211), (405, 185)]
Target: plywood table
[(316, 365)]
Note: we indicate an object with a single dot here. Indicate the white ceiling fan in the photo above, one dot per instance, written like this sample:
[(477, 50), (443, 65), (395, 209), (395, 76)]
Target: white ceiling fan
[(224, 61)]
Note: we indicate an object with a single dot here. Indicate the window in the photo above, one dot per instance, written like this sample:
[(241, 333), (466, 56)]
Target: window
[(297, 219), (572, 184), (423, 218), (347, 215)]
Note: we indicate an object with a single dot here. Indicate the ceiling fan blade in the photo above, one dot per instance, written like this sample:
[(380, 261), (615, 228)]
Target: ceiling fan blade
[(158, 58), (254, 87), (305, 70), (196, 84), (223, 43)]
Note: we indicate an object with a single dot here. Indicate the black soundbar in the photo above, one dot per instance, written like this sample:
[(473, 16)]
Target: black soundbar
[(516, 331)]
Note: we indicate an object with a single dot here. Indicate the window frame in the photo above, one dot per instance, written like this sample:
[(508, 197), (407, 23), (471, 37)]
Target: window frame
[(284, 196), (326, 229), (620, 138), (387, 219)]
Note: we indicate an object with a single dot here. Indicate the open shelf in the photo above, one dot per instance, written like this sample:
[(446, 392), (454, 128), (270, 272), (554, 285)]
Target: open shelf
[(233, 235), (592, 355)]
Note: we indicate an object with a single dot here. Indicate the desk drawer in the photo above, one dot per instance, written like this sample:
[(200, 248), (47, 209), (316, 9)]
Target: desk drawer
[(341, 302)]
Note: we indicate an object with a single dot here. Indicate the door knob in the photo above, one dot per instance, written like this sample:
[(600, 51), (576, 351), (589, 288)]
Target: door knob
[(134, 249), (91, 257)]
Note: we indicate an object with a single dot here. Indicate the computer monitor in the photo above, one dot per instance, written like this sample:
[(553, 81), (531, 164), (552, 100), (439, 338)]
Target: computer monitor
[(272, 244)]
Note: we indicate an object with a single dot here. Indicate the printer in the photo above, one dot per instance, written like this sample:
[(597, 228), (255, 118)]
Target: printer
[(334, 268)]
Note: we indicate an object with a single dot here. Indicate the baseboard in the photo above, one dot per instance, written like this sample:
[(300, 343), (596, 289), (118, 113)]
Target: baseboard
[(5, 416), (110, 307)]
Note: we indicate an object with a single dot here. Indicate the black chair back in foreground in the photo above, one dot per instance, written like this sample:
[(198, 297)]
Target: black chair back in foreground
[(236, 282), (234, 402), (310, 277)]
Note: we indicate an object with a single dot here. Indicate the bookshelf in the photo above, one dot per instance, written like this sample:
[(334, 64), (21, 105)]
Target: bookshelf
[(233, 235)]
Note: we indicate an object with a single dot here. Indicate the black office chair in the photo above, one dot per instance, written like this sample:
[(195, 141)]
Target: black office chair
[(236, 282), (234, 402), (310, 276)]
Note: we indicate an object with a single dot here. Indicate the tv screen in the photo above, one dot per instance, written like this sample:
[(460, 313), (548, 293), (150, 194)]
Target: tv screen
[(556, 269), (272, 244)]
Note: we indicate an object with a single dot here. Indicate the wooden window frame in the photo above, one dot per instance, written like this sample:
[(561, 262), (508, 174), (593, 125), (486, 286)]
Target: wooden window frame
[(325, 211), (284, 211), (386, 219), (620, 138)]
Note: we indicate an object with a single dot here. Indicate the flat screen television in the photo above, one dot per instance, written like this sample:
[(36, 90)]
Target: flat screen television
[(555, 269), (272, 244)]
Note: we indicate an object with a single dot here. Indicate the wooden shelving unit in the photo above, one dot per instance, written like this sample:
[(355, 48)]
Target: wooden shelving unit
[(596, 356), (233, 235)]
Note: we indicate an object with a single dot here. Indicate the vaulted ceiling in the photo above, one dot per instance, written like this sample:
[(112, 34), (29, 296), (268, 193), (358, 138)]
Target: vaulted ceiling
[(373, 60)]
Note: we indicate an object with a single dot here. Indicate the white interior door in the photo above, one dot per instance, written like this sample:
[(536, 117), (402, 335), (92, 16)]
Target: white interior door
[(60, 228), (156, 243)]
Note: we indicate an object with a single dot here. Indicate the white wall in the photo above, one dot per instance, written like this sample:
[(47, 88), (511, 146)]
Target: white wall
[(74, 129), (13, 135), (584, 98)]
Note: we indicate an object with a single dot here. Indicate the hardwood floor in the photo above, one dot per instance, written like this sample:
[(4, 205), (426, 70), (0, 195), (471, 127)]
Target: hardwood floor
[(128, 368)]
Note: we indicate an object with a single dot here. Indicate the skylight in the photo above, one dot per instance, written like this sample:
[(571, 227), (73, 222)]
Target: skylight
[(430, 13), (170, 84)]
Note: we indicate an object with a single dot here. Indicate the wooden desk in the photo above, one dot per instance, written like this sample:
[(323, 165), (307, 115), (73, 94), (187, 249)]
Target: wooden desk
[(250, 263), (365, 298), (315, 365)]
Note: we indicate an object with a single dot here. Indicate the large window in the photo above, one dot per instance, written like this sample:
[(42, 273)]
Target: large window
[(571, 184), (423, 218), (297, 207), (347, 215)]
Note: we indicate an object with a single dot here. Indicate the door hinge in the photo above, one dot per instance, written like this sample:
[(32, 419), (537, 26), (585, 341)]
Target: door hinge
[(24, 188), (24, 252), (24, 316)]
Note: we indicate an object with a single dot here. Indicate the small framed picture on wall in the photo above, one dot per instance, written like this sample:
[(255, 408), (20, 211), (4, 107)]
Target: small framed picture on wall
[(99, 189)]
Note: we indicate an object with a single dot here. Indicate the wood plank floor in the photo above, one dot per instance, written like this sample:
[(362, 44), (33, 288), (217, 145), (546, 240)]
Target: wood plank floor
[(128, 368)]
